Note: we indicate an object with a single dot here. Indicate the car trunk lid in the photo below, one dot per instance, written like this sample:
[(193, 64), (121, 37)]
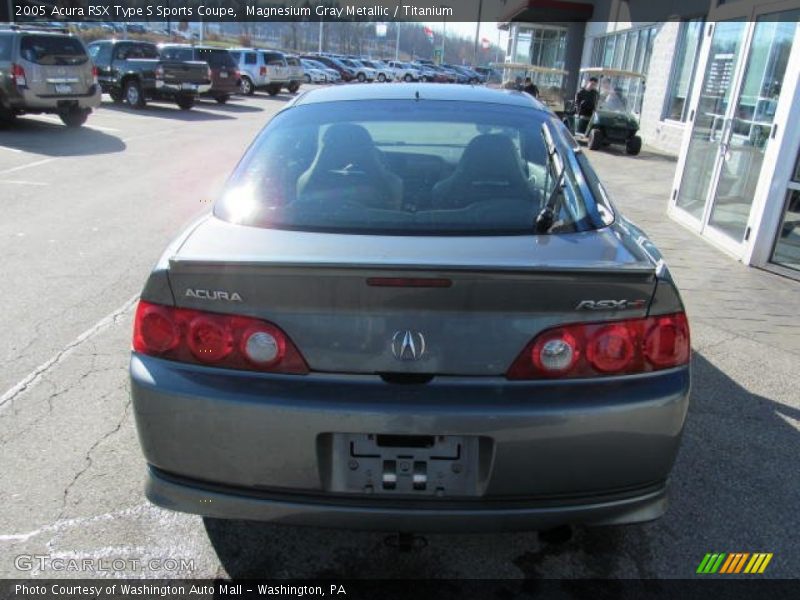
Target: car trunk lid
[(352, 303)]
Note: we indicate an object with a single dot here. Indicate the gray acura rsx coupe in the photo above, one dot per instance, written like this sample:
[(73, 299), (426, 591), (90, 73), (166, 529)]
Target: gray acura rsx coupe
[(413, 308)]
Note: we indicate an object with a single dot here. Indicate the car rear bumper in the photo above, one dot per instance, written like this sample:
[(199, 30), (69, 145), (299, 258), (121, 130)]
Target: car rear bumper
[(597, 451), (26, 99), (221, 502)]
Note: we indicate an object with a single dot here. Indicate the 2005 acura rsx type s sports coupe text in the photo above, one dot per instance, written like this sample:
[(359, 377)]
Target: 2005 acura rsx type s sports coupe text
[(414, 308)]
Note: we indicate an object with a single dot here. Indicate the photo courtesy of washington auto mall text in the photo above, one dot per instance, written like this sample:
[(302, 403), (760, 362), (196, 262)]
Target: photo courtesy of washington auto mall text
[(399, 299)]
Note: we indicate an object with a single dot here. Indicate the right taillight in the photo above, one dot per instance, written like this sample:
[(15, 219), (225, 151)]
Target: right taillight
[(159, 72), (226, 341), (262, 71), (608, 348), (18, 75)]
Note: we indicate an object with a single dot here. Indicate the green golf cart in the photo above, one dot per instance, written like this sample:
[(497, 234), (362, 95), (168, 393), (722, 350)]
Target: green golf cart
[(613, 121)]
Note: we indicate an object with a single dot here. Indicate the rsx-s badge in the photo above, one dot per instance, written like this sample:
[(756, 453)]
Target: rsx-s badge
[(213, 295), (408, 345), (610, 304)]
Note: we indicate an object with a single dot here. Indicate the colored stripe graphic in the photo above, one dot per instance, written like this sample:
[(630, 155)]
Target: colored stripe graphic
[(711, 563), (734, 562)]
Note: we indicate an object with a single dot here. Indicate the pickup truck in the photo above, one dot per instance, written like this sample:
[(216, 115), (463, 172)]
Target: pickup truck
[(134, 72)]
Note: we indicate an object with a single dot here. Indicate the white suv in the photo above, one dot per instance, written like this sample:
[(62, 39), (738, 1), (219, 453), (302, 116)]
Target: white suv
[(403, 71), (261, 70)]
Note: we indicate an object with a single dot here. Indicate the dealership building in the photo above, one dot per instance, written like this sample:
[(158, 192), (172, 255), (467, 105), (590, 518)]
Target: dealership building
[(720, 90)]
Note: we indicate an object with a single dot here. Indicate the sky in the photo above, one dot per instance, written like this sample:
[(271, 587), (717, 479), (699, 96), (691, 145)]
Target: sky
[(467, 29)]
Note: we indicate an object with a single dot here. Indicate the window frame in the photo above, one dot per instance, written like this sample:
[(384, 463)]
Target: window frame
[(675, 67)]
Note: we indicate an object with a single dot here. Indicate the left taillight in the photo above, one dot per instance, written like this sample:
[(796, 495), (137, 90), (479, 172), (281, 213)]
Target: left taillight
[(95, 74), (18, 75), (608, 348), (214, 339)]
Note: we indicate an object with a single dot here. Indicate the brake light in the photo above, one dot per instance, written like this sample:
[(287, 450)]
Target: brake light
[(210, 74), (226, 341), (262, 71), (18, 75), (159, 72), (95, 74), (610, 348)]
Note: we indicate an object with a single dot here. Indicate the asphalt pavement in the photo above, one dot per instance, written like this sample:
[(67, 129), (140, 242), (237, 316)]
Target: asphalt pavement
[(87, 212)]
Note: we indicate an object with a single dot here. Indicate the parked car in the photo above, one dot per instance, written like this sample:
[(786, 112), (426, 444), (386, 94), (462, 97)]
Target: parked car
[(331, 75), (313, 73), (362, 73), (404, 71), (224, 74), (383, 72), (296, 73), (134, 72), (376, 335), (431, 73), (46, 72), (345, 72), (261, 70), (469, 76)]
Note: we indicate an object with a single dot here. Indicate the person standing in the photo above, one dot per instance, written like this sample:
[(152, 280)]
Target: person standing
[(586, 102), (530, 88)]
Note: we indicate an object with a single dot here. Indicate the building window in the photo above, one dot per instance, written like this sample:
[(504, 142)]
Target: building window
[(543, 46), (629, 50), (683, 68)]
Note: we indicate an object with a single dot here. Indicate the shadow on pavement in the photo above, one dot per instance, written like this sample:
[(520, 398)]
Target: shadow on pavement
[(644, 155), (230, 106), (165, 111), (54, 139), (734, 489)]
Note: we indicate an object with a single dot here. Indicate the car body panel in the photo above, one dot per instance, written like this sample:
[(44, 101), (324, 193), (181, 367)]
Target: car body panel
[(536, 452)]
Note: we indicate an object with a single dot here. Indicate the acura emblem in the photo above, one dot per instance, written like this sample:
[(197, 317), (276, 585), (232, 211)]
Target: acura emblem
[(408, 345)]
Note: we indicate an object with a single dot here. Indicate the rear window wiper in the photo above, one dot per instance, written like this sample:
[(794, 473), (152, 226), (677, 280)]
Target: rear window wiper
[(547, 216)]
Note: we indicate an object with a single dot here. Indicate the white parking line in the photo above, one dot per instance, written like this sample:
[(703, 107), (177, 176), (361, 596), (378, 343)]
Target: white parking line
[(35, 163), (34, 376), (92, 126), (20, 182)]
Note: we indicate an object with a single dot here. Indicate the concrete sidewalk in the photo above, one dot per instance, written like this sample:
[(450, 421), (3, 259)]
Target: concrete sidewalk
[(718, 290)]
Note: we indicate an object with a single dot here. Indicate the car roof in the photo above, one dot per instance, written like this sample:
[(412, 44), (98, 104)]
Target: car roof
[(427, 91)]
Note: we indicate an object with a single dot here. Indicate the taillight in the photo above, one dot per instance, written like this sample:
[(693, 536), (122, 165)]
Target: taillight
[(226, 341), (209, 74), (159, 72), (18, 75), (262, 71), (609, 348), (95, 74)]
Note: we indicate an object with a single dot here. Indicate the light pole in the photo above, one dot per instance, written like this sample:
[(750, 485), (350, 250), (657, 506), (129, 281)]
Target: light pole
[(477, 33)]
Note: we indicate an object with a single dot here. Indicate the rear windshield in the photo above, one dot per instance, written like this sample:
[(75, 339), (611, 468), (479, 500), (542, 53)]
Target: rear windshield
[(52, 50), (215, 58), (294, 62), (403, 167)]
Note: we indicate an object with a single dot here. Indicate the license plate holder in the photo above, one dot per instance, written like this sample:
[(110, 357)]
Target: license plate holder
[(416, 465)]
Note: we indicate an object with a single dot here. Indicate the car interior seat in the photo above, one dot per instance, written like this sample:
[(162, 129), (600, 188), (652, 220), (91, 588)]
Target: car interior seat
[(348, 166), (490, 168)]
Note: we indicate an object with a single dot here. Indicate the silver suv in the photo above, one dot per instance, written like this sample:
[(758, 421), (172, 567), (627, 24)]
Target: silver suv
[(261, 70), (46, 72)]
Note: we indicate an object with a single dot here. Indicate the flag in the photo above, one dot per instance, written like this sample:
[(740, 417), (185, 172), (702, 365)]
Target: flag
[(428, 32), (485, 43)]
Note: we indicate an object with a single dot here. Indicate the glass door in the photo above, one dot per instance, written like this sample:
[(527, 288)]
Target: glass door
[(733, 122), (742, 149), (712, 111)]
